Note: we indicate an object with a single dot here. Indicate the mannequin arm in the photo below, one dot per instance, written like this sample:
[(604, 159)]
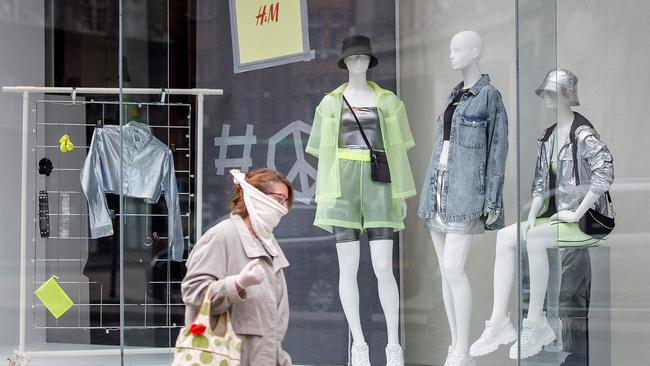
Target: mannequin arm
[(574, 216), (538, 202)]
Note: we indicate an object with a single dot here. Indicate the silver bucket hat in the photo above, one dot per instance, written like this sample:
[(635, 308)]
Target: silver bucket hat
[(564, 82)]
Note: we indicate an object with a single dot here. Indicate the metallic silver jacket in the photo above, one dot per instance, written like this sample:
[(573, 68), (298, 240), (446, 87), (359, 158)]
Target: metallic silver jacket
[(596, 170), (148, 170)]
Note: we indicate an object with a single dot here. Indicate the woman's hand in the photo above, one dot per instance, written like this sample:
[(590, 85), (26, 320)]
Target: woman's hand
[(566, 216), (251, 275)]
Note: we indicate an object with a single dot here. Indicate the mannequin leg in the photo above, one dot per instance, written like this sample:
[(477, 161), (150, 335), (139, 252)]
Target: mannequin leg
[(504, 272), (456, 250), (539, 239), (438, 240), (348, 255), (499, 330), (382, 262)]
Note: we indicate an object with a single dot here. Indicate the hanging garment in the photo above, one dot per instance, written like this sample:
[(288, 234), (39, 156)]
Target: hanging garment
[(148, 171)]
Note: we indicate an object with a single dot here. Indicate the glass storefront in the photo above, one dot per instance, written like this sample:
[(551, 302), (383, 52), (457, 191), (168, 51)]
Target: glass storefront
[(492, 244)]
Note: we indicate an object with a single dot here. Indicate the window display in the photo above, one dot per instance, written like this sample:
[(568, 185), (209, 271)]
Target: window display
[(296, 165)]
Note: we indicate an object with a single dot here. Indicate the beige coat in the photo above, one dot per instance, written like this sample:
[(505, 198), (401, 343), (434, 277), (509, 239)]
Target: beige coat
[(260, 315)]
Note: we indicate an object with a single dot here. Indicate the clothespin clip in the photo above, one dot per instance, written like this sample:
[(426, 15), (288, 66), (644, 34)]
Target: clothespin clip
[(99, 124), (74, 95), (162, 95), (172, 147)]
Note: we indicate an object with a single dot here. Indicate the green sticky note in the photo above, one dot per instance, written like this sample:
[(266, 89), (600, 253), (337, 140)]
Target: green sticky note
[(53, 297)]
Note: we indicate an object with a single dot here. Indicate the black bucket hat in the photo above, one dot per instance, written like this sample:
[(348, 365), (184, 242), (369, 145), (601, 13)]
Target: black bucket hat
[(357, 45)]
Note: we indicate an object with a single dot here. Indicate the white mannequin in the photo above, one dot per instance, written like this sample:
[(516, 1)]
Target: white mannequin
[(538, 238), (359, 94), (452, 249)]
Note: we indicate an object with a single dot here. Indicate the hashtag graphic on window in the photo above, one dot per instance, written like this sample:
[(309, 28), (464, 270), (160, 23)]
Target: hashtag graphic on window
[(223, 162)]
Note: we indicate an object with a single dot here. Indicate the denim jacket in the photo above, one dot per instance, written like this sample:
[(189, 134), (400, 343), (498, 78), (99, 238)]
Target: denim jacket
[(595, 170), (148, 170), (478, 146)]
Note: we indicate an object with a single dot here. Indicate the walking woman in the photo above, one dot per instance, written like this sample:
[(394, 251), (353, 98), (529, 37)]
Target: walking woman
[(242, 262)]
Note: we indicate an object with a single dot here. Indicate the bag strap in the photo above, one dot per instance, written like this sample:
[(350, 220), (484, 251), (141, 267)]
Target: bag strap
[(203, 317), (578, 121), (363, 134)]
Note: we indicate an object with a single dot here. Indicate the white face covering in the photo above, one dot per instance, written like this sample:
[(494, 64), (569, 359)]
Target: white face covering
[(265, 213)]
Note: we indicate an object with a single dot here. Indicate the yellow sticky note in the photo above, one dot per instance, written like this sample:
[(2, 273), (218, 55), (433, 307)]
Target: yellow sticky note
[(53, 297), (268, 29)]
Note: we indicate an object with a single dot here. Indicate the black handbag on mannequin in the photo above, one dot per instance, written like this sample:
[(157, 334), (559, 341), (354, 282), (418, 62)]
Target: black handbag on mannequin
[(379, 171)]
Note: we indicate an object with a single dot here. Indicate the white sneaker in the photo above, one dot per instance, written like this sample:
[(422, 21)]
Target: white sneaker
[(493, 336), (394, 356), (534, 336), (459, 359), (360, 355)]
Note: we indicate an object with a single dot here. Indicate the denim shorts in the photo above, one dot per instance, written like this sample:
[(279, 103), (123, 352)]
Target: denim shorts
[(435, 222)]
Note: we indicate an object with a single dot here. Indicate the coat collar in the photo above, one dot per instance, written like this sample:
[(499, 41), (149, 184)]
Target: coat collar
[(255, 250), (476, 88)]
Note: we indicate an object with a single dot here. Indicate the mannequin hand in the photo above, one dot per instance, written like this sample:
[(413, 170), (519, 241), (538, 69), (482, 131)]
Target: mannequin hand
[(404, 209), (251, 275), (491, 218), (566, 216), (529, 224)]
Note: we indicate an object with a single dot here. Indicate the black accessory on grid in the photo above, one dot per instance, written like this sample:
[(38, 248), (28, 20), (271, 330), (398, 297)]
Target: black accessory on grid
[(379, 170), (43, 214), (45, 166)]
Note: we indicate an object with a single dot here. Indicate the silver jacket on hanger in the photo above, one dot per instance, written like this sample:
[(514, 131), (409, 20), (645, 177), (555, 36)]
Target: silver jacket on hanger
[(148, 171)]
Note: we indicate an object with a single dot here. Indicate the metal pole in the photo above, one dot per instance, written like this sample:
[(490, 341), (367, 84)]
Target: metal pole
[(131, 91), (199, 166), (23, 226)]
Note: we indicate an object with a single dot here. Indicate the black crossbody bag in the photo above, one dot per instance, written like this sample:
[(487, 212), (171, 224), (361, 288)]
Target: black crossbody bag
[(379, 171), (592, 223)]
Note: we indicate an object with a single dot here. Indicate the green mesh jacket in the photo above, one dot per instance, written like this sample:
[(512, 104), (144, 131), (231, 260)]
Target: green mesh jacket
[(396, 134)]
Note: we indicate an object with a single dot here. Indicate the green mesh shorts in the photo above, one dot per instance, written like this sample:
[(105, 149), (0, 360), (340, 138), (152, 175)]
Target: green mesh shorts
[(569, 234), (363, 203)]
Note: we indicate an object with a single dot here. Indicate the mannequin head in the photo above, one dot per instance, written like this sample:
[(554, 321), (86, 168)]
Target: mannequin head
[(357, 64), (554, 100), (466, 48)]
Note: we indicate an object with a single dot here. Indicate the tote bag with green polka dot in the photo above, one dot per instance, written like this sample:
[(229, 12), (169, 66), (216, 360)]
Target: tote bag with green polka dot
[(198, 344)]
